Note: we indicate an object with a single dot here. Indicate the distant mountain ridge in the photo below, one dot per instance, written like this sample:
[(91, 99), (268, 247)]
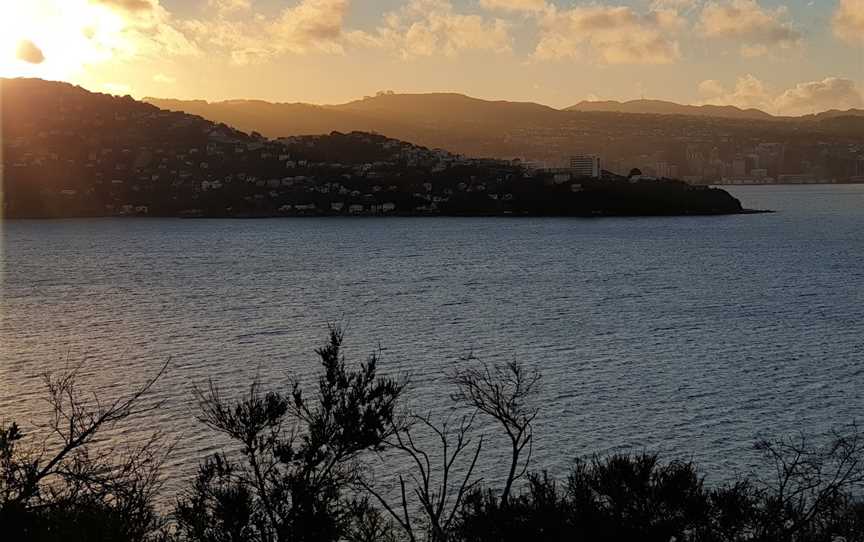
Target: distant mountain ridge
[(503, 129), (660, 107), (835, 113), (426, 104)]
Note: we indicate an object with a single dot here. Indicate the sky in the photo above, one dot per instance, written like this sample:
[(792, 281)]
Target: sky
[(786, 57)]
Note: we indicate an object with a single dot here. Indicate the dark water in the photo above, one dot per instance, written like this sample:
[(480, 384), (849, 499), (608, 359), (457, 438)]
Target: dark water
[(687, 336)]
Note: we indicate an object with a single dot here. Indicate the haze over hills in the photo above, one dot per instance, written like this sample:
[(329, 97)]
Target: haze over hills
[(455, 107), (700, 142), (660, 107), (439, 120)]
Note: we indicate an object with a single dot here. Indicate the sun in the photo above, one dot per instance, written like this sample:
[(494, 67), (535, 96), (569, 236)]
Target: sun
[(55, 39)]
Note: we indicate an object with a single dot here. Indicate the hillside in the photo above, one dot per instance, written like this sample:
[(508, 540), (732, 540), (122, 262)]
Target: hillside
[(835, 113), (277, 119), (702, 143), (451, 121), (68, 152), (441, 108), (659, 107)]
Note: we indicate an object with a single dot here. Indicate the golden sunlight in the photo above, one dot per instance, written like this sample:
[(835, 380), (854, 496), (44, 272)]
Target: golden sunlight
[(55, 39)]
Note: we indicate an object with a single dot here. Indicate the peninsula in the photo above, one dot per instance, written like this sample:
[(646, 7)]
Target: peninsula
[(68, 152)]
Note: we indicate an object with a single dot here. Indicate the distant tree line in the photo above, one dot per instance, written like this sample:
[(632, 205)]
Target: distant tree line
[(303, 469)]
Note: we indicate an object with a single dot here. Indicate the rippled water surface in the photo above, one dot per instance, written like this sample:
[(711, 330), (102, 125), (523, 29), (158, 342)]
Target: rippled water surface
[(688, 336)]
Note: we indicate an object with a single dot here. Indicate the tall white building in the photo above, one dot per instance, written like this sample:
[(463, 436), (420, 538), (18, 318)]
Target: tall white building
[(585, 165)]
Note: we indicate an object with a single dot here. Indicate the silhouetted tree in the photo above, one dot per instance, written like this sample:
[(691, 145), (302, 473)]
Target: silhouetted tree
[(427, 509), (300, 471), (298, 456), (810, 498), (69, 486), (506, 394)]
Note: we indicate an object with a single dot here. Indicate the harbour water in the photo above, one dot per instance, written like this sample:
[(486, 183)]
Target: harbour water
[(689, 336)]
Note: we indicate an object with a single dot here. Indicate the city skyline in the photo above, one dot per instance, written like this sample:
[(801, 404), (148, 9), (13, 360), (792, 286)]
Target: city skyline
[(792, 57)]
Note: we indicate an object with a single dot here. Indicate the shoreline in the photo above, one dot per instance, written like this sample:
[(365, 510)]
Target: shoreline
[(397, 215)]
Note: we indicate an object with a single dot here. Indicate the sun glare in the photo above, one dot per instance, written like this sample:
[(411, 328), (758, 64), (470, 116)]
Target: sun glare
[(56, 39)]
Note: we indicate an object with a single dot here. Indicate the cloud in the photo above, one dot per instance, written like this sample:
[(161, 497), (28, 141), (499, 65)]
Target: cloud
[(748, 92), (29, 52), (143, 28), (127, 5), (426, 28), (848, 21), (308, 27), (830, 93), (756, 28), (515, 5), (803, 98), (710, 88), (311, 25), (162, 78), (229, 6), (673, 4), (612, 35)]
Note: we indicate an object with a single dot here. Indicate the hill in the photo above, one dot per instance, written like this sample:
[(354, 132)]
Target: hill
[(835, 113), (69, 152), (448, 108), (451, 121), (701, 142), (659, 107)]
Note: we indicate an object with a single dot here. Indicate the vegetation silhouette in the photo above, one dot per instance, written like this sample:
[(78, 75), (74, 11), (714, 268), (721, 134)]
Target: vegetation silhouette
[(302, 469)]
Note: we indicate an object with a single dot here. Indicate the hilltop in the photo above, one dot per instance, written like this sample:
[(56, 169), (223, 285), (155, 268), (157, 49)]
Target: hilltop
[(70, 152)]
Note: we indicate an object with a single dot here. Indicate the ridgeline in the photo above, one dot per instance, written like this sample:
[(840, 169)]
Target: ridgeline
[(68, 152)]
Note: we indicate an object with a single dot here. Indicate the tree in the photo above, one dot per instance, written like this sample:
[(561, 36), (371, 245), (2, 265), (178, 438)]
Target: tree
[(811, 494), (69, 486), (298, 456), (438, 493), (504, 393)]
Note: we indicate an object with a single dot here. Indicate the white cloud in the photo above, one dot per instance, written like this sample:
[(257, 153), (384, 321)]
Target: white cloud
[(710, 88), (849, 21), (162, 78), (757, 29), (748, 92), (803, 98), (424, 28), (830, 93), (612, 35)]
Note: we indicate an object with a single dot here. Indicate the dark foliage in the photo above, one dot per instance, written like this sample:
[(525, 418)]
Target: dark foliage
[(639, 498), (298, 457), (64, 485)]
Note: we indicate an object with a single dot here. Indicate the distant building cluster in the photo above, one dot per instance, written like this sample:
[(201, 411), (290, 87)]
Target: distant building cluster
[(704, 150), (585, 165), (761, 163)]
